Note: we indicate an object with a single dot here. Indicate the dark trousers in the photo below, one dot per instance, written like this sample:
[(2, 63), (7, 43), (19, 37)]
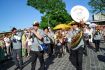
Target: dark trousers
[(52, 45), (49, 49), (17, 57), (86, 43), (97, 43), (104, 38), (58, 51), (34, 56), (76, 58)]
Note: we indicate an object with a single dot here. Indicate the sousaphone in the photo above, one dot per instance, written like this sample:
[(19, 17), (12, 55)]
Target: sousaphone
[(78, 13)]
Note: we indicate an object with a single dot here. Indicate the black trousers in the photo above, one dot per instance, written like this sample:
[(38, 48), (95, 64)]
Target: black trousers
[(34, 56), (104, 38), (76, 58), (52, 45), (97, 44)]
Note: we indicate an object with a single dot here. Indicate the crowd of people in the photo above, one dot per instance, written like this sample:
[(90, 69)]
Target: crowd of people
[(34, 43)]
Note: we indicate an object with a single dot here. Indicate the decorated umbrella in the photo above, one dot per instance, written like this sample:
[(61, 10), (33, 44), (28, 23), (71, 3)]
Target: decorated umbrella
[(61, 26)]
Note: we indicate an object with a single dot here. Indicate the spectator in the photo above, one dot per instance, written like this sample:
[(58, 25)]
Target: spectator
[(7, 44)]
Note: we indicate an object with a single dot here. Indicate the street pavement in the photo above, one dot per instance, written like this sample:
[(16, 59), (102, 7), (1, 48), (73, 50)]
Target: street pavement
[(94, 61)]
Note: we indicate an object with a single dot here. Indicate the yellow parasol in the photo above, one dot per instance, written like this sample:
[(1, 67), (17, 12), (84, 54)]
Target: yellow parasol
[(72, 22), (61, 26)]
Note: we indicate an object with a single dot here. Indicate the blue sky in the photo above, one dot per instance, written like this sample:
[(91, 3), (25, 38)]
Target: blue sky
[(16, 13)]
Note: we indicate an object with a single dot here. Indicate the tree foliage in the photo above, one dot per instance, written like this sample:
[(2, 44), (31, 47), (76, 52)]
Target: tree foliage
[(54, 11), (97, 5)]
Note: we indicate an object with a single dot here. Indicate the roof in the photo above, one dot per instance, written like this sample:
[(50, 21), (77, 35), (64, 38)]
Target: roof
[(100, 22)]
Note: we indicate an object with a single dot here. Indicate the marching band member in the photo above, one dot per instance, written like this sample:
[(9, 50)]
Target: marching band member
[(36, 51), (76, 50), (16, 52)]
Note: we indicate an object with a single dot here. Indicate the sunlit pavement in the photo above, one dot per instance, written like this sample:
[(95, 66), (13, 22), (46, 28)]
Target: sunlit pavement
[(94, 61)]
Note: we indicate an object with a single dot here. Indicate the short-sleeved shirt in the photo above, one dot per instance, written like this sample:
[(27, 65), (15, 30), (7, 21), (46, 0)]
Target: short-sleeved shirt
[(74, 32), (97, 35), (16, 40), (51, 36), (36, 42), (7, 41)]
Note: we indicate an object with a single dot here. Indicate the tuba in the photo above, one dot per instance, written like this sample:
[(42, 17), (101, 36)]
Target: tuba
[(78, 13), (76, 40)]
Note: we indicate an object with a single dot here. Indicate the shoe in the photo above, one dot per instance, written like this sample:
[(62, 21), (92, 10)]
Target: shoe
[(42, 68), (85, 53), (96, 50), (20, 68), (16, 68)]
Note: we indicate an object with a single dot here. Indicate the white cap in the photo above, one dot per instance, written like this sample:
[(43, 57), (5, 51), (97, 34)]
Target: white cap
[(36, 23)]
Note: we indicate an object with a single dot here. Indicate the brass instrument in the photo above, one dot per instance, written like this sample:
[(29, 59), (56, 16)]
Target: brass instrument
[(76, 40)]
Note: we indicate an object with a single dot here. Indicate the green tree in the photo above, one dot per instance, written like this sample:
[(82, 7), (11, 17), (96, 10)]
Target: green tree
[(98, 6), (54, 11)]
